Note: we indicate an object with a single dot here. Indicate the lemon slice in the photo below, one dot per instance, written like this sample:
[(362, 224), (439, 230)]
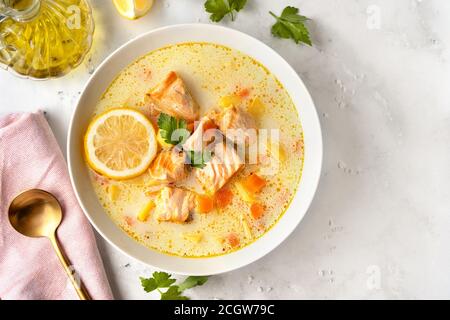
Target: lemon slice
[(133, 9), (120, 143)]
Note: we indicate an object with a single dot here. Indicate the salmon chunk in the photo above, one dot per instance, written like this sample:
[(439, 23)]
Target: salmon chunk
[(202, 135), (171, 96), (174, 204), (169, 166), (237, 124), (223, 165)]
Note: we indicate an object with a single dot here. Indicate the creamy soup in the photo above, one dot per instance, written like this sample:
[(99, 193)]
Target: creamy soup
[(210, 72)]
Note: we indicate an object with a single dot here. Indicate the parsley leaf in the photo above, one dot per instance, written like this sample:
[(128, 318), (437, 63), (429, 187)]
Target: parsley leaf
[(173, 293), (173, 130), (199, 159), (192, 282), (291, 25), (237, 5), (159, 280), (217, 8), (221, 8), (149, 284), (163, 279)]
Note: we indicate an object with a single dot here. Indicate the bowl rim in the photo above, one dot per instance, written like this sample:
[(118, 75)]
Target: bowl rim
[(313, 180)]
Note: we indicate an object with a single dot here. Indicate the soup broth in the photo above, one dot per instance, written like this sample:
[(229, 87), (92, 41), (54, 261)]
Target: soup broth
[(211, 72)]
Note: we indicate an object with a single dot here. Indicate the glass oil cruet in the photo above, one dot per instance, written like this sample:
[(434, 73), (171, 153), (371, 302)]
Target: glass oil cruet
[(43, 39)]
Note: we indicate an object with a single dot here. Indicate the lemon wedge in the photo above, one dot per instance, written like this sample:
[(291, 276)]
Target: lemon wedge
[(133, 9), (120, 143)]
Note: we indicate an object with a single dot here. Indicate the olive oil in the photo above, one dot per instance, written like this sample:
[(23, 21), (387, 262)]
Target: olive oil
[(20, 5), (44, 38)]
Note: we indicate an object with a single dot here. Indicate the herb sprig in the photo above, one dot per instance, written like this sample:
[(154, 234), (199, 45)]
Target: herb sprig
[(174, 131), (199, 159), (162, 280), (169, 126), (220, 8), (291, 25)]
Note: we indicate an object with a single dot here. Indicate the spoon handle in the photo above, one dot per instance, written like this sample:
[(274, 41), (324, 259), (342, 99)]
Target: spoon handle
[(77, 285)]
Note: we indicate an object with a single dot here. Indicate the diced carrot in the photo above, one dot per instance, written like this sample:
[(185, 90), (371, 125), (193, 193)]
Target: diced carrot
[(205, 204), (233, 240), (254, 183), (243, 93), (257, 210), (190, 127), (224, 197)]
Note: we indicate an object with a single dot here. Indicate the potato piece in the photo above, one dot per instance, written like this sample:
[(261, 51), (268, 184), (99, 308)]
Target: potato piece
[(246, 227), (276, 151), (144, 213), (195, 237), (246, 196), (228, 101), (256, 108), (113, 191)]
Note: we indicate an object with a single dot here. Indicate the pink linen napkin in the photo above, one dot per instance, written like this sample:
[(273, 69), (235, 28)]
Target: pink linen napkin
[(29, 268)]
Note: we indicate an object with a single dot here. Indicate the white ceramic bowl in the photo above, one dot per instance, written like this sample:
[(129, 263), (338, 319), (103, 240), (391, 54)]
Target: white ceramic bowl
[(155, 39)]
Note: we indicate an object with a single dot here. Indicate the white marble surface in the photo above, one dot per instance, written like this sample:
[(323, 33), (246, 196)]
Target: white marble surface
[(382, 209)]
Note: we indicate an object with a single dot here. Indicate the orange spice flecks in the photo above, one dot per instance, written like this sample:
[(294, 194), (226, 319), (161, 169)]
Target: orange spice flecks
[(146, 73), (299, 146), (129, 221)]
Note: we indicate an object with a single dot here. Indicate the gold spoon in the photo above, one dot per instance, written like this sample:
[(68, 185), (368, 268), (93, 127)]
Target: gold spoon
[(36, 213)]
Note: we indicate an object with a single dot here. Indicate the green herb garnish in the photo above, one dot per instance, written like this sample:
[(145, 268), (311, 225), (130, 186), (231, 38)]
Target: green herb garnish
[(161, 280), (192, 281), (173, 130), (199, 159), (221, 8), (291, 25), (173, 293)]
